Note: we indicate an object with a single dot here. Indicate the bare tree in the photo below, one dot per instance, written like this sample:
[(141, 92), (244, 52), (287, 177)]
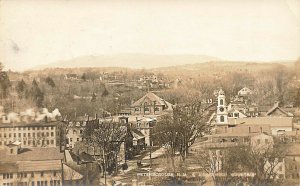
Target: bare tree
[(260, 166), (106, 135)]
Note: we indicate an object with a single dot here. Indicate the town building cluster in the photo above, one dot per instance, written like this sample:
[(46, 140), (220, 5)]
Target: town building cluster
[(41, 148)]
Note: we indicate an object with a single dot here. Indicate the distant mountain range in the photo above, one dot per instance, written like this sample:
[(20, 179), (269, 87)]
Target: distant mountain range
[(129, 61)]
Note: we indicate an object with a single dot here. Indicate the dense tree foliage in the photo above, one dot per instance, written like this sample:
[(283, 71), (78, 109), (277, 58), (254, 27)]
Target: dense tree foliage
[(50, 82), (4, 82), (36, 94)]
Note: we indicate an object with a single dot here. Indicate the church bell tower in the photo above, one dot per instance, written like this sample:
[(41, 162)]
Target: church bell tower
[(222, 114)]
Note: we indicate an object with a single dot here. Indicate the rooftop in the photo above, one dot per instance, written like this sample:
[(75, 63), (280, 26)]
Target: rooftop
[(151, 97), (271, 121), (31, 124), (32, 154)]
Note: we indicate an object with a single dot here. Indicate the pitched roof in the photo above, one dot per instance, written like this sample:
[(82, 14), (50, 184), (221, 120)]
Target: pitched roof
[(71, 174), (28, 166), (276, 107), (137, 134), (33, 154), (272, 121), (152, 97), (8, 167)]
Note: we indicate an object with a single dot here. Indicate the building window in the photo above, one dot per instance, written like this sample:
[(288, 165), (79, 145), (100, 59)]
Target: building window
[(54, 173), (42, 174), (32, 183), (52, 134), (11, 151), (137, 109), (146, 109), (221, 102), (32, 175), (222, 118)]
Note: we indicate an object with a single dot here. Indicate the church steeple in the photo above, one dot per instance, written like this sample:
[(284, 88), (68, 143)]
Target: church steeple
[(222, 114)]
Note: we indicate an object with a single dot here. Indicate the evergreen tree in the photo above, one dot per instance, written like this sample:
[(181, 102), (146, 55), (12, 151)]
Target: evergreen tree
[(21, 88), (297, 99), (4, 82), (105, 92), (37, 94), (50, 82), (83, 77)]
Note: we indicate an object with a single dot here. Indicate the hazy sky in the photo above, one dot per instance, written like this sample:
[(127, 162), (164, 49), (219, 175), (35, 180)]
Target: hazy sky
[(40, 32)]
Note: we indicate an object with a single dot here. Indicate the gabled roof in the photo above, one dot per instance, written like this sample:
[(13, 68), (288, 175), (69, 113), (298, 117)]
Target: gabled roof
[(276, 107), (152, 97)]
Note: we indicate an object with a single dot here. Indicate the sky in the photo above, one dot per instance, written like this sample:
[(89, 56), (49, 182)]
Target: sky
[(34, 33)]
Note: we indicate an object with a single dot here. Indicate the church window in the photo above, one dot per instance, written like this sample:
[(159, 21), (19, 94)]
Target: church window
[(221, 102)]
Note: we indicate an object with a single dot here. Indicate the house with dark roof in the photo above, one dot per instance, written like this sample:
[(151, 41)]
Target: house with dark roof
[(151, 104)]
